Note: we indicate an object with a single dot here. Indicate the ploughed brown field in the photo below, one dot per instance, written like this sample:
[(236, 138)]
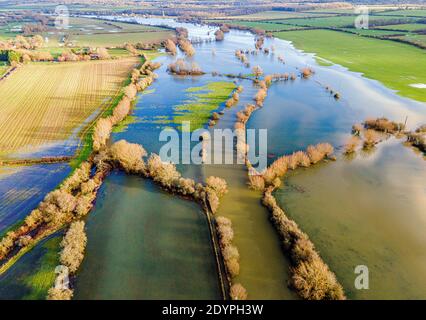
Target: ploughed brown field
[(43, 103)]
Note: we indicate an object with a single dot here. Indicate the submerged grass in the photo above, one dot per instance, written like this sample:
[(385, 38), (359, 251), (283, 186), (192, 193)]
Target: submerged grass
[(203, 101), (43, 279)]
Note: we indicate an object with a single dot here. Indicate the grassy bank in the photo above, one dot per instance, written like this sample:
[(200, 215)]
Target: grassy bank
[(394, 64)]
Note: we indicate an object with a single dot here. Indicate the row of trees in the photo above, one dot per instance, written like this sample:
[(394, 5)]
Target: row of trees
[(103, 127), (219, 35), (372, 130), (71, 201), (310, 275), (230, 255), (186, 46), (130, 158), (234, 98), (72, 254), (184, 68), (242, 57), (21, 42), (170, 47), (273, 174)]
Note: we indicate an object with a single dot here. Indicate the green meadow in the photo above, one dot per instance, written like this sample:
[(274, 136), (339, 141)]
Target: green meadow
[(372, 32), (203, 101), (406, 13), (340, 21), (405, 27), (396, 65), (267, 26)]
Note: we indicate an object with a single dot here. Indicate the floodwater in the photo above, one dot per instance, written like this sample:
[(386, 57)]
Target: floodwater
[(144, 243), (366, 211)]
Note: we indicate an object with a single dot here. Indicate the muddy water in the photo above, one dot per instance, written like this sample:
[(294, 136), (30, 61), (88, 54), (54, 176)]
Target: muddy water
[(263, 267), (366, 211), (146, 244), (296, 114)]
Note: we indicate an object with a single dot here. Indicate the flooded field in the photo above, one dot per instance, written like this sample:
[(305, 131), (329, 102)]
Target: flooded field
[(146, 244), (366, 211)]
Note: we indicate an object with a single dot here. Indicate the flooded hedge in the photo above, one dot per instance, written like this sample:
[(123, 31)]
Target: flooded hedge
[(310, 276), (231, 257)]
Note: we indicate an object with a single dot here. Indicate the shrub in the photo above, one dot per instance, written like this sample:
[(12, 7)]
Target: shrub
[(186, 47), (213, 201), (310, 276), (302, 159), (181, 67), (170, 47), (356, 129), (81, 174), (162, 172), (371, 138), (128, 155), (101, 133), (314, 281), (219, 35), (384, 125), (260, 97), (218, 185), (73, 246), (257, 71), (59, 294), (84, 204), (224, 28), (103, 54), (130, 91), (121, 110), (351, 145), (238, 292), (306, 72), (418, 140), (256, 182), (314, 154), (326, 149)]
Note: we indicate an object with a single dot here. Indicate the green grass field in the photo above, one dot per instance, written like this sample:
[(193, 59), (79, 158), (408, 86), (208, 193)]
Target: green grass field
[(266, 25), (95, 32), (270, 15), (338, 21), (203, 101), (406, 13), (419, 39), (8, 30), (405, 27), (372, 32), (3, 67), (394, 64)]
